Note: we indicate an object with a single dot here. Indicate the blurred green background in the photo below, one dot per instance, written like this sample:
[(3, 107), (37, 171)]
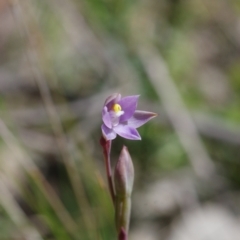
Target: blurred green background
[(59, 61)]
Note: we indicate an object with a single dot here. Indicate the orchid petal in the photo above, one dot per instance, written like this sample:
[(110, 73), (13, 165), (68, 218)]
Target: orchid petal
[(139, 118), (106, 118), (127, 132), (108, 133), (128, 105)]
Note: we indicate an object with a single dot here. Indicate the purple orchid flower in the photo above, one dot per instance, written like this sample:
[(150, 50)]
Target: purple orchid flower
[(120, 117)]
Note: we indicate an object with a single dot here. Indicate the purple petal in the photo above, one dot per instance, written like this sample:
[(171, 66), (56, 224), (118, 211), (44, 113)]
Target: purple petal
[(139, 118), (106, 118), (108, 133), (112, 99), (127, 132), (129, 105)]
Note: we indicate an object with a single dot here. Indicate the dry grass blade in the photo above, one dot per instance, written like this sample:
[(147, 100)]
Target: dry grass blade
[(30, 167), (177, 112), (62, 143), (16, 214)]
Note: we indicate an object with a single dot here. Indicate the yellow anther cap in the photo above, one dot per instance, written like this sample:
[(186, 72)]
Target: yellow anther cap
[(116, 108)]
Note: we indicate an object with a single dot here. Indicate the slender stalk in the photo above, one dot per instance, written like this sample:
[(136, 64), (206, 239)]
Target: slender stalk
[(106, 145)]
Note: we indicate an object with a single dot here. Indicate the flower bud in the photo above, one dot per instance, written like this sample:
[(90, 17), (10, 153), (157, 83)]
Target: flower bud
[(123, 179), (124, 174)]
